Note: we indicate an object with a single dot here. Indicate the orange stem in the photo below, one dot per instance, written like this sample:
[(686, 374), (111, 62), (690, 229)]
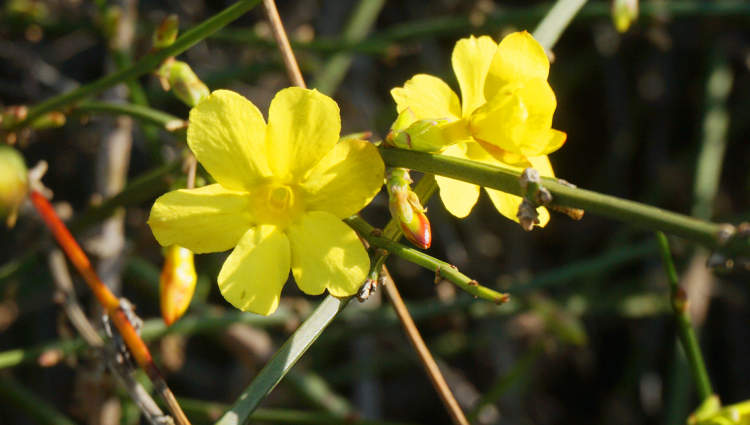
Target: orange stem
[(107, 299)]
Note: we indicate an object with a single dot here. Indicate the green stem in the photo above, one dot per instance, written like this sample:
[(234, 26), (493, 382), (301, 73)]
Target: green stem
[(282, 361), (714, 137), (460, 25), (152, 329), (441, 268), (505, 178), (138, 190), (556, 20), (685, 331), (208, 411), (140, 112), (146, 64), (37, 408), (332, 73)]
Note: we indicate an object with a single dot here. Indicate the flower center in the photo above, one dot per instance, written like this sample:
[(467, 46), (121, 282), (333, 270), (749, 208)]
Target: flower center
[(277, 204), (280, 197)]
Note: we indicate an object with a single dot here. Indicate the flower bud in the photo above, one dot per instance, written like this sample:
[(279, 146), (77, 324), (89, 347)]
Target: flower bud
[(12, 115), (166, 32), (406, 208), (624, 13), (14, 183), (49, 120), (178, 76), (420, 135), (177, 283)]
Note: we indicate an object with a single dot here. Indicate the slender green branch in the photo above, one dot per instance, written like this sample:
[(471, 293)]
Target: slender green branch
[(688, 339), (146, 64), (556, 20), (282, 361), (505, 178), (149, 115), (441, 268), (208, 411), (21, 397), (140, 189), (362, 20), (152, 329), (461, 25)]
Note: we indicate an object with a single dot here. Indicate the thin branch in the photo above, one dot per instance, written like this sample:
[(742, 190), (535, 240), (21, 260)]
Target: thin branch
[(505, 178), (436, 377), (77, 317), (107, 300), (146, 64), (277, 27), (685, 331), (441, 268)]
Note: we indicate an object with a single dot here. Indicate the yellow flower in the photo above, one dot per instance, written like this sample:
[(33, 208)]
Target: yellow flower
[(282, 189), (504, 116)]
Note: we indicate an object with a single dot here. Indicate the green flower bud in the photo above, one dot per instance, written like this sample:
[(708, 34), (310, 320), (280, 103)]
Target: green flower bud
[(420, 135), (49, 120), (166, 32), (178, 76), (14, 183)]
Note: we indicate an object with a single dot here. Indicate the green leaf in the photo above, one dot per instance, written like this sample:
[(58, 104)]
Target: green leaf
[(283, 360)]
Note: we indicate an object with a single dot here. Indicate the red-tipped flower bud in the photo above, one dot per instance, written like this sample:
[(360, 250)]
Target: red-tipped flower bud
[(406, 208), (177, 283)]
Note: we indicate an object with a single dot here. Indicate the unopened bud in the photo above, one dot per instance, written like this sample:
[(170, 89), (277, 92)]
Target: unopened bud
[(406, 208), (14, 183), (419, 135), (177, 283), (624, 13), (12, 115), (166, 32), (178, 76), (49, 120)]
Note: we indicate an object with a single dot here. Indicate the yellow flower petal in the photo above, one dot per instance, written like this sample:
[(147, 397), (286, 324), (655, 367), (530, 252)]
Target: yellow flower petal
[(326, 253), (471, 60), (207, 219), (457, 196), (518, 57), (227, 134), (542, 164), (519, 121), (303, 125), (427, 97), (254, 273), (345, 180), (507, 205)]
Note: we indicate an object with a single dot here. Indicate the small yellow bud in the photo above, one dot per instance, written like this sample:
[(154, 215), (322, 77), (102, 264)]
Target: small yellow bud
[(624, 13), (177, 283), (14, 183)]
